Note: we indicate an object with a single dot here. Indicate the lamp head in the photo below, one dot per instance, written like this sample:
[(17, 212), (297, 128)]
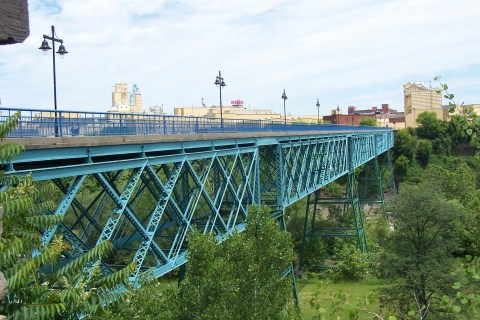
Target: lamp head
[(44, 47), (61, 50)]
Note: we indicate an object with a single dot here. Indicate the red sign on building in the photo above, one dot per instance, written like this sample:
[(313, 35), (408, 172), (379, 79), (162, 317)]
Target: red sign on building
[(237, 103)]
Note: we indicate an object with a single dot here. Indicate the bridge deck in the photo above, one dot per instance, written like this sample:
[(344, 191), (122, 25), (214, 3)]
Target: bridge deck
[(31, 143)]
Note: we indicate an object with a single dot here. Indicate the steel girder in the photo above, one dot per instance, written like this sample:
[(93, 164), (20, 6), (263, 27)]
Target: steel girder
[(304, 166), (209, 194), (146, 198)]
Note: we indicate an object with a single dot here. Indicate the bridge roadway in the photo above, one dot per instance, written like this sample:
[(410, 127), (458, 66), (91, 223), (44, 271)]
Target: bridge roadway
[(145, 192), (36, 142)]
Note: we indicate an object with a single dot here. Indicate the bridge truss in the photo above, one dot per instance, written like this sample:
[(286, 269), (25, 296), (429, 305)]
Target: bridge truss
[(146, 197)]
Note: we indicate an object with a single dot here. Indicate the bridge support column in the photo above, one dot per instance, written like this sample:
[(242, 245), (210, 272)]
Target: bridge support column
[(349, 223), (391, 179), (371, 185), (377, 178)]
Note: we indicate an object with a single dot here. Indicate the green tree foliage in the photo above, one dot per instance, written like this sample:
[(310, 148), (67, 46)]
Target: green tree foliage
[(436, 131), (458, 182), (430, 127), (419, 251), (405, 144), (372, 122), (465, 302), (242, 277), (295, 217), (354, 265), (424, 151), (401, 167), (467, 119), (32, 293), (456, 131), (149, 302)]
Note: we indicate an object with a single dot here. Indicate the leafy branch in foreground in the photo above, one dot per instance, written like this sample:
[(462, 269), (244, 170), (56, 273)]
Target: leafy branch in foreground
[(30, 292), (468, 119)]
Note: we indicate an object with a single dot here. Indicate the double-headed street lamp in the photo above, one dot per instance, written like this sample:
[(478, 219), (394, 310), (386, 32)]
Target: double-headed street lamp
[(220, 83), (318, 111), (61, 51), (284, 97)]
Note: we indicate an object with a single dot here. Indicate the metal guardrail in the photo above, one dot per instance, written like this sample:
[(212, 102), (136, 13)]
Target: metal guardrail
[(45, 123)]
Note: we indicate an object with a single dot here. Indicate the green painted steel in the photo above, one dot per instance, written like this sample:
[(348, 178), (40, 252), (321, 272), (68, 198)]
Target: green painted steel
[(369, 189), (146, 197)]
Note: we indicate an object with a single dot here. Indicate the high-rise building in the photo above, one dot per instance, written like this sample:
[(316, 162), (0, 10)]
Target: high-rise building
[(418, 98)]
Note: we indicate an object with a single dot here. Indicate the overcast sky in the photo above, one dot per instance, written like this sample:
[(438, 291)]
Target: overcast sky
[(345, 52)]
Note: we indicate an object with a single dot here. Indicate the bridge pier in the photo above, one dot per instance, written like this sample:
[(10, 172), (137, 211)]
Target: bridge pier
[(368, 189)]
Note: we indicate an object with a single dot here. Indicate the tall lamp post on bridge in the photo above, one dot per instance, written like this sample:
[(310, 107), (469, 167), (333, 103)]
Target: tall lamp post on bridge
[(61, 51), (284, 97), (318, 111), (220, 83)]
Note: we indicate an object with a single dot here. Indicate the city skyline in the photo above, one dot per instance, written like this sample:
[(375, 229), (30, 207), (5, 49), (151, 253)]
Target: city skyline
[(343, 53)]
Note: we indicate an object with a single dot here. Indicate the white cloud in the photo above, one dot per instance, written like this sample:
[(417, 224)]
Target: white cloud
[(347, 52)]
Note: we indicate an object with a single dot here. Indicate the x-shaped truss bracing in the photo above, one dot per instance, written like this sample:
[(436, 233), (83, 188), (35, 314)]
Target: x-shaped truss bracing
[(145, 199)]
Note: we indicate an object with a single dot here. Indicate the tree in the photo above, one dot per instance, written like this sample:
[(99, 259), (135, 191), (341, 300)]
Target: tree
[(463, 303), (419, 251), (32, 293), (401, 166), (430, 127), (405, 144), (467, 118), (149, 302), (424, 151), (242, 277), (372, 122)]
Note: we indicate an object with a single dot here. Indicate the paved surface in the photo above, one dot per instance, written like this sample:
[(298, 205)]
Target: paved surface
[(66, 142)]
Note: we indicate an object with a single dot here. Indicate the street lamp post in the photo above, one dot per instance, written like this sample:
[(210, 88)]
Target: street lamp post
[(220, 83), (61, 51), (284, 97), (318, 111)]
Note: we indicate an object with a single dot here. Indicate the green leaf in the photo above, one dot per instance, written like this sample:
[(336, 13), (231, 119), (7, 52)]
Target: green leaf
[(392, 318), (456, 309)]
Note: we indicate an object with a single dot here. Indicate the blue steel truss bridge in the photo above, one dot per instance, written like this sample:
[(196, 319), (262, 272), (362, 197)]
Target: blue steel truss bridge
[(144, 181)]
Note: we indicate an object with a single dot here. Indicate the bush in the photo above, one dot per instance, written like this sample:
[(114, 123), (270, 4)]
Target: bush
[(354, 265)]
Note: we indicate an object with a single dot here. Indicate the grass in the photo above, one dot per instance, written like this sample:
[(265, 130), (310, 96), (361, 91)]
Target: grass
[(356, 291)]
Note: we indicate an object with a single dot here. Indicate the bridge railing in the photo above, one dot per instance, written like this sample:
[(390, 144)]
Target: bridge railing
[(48, 123)]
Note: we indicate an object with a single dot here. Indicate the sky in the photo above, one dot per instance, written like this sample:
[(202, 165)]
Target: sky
[(342, 52)]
